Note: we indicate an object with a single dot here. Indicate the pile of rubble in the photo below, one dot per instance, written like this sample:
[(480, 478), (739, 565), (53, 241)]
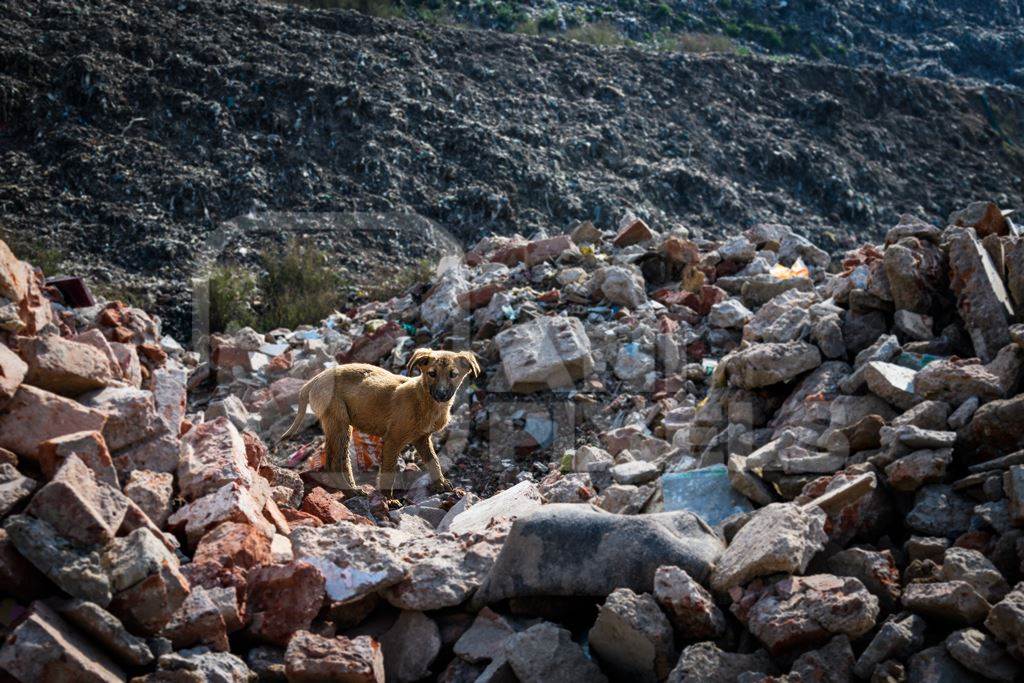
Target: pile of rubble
[(733, 460)]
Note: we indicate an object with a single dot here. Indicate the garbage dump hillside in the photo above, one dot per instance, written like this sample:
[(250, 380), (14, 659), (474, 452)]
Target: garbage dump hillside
[(684, 460), (132, 135)]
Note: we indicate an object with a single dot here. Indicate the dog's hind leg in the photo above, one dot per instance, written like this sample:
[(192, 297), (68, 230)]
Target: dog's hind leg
[(338, 433), (425, 448)]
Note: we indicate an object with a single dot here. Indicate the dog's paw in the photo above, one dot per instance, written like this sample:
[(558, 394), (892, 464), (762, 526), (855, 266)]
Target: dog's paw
[(443, 486)]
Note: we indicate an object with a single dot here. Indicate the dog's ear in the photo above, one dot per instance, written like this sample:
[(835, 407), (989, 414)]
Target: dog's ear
[(417, 359), (468, 361)]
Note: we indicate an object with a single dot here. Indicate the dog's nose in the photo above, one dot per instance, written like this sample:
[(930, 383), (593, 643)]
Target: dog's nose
[(441, 395)]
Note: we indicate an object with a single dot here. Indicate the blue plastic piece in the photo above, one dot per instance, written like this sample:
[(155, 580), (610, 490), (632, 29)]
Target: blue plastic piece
[(705, 492)]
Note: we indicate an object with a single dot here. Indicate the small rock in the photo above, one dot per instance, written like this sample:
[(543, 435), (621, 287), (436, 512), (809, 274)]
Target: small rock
[(895, 639), (545, 653), (689, 605), (44, 647), (894, 383), (632, 637), (283, 599), (948, 600), (980, 653), (635, 472), (312, 659), (151, 491), (14, 488), (706, 663), (410, 647), (971, 566)]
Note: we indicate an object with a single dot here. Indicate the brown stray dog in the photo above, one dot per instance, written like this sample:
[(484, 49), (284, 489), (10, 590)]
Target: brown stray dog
[(400, 410)]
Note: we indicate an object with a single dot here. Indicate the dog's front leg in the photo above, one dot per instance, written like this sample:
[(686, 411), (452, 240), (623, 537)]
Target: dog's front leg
[(388, 468), (425, 448)]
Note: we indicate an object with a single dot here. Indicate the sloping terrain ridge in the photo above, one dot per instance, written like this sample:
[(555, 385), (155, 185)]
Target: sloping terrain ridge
[(129, 132)]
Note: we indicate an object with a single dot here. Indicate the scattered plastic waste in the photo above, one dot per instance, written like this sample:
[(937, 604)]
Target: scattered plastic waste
[(798, 269)]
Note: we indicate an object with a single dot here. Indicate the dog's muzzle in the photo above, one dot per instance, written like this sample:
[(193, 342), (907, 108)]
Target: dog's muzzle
[(441, 395)]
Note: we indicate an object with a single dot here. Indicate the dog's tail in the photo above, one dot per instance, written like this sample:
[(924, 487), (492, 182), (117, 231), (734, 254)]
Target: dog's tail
[(297, 423)]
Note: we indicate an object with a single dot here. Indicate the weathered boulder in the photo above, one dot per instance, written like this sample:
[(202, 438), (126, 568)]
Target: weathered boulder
[(954, 383), (78, 507), (550, 351), (131, 415), (443, 571), (761, 365), (982, 298), (939, 511), (875, 569), (145, 579), (467, 516), (151, 491), (622, 286), (212, 456), (485, 639), (541, 555), (34, 416), (964, 564), (997, 428), (1006, 621), (89, 446), (105, 629), (896, 638), (912, 471), (798, 612), (780, 537), (935, 664), (283, 599), (229, 503), (894, 383), (65, 367), (12, 373), (355, 559), (79, 572)]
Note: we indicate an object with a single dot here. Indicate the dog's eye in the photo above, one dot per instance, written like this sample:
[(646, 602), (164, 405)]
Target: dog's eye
[(453, 373), (432, 373)]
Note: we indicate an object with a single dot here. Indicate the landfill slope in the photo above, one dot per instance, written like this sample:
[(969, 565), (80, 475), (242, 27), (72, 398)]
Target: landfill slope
[(681, 459), (130, 133)]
